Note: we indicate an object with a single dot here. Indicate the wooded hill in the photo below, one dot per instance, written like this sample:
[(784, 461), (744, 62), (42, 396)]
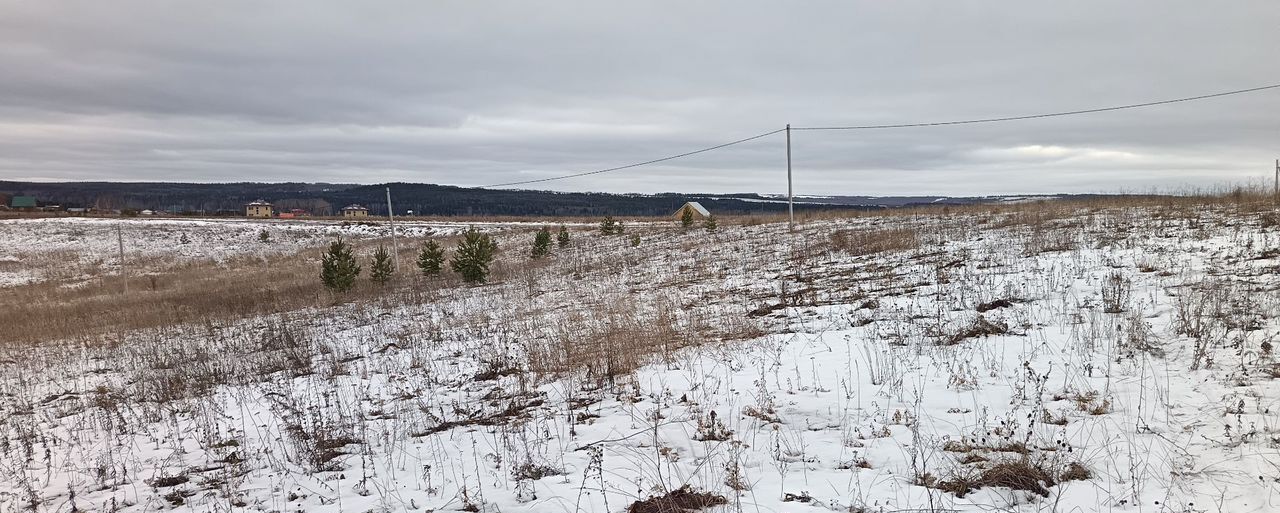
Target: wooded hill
[(438, 200)]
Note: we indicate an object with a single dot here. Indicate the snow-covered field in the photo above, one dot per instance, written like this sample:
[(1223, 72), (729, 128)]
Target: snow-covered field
[(79, 247), (1040, 359)]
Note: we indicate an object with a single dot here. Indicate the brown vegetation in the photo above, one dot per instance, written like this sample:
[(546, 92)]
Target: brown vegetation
[(677, 501)]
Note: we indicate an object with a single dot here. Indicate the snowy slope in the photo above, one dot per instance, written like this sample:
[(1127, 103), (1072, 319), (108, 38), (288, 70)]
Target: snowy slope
[(1131, 347)]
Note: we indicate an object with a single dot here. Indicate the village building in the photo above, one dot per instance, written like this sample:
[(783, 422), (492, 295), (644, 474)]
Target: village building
[(699, 212), (355, 211), (258, 208), (23, 203)]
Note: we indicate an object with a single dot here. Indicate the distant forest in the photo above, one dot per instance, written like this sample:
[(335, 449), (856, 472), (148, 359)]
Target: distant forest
[(422, 199)]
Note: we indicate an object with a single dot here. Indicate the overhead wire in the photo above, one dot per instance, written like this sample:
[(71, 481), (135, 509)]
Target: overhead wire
[(893, 125), (645, 163), (1039, 116)]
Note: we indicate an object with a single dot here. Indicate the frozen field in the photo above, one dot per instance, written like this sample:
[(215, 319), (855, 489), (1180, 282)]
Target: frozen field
[(1036, 358), (72, 248)]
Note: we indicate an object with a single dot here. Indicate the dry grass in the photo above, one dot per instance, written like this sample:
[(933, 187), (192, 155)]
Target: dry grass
[(681, 500), (858, 242), (199, 292), (1021, 474), (613, 340), (591, 314), (190, 293)]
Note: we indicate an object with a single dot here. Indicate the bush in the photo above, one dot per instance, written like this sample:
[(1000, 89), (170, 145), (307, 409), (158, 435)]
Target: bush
[(338, 267), (541, 243), (431, 259), (610, 227), (475, 252), (264, 236), (562, 238), (635, 241), (380, 271)]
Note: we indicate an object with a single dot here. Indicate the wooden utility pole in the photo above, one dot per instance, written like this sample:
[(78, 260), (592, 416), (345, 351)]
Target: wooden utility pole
[(1275, 194), (391, 220), (791, 207), (124, 275)]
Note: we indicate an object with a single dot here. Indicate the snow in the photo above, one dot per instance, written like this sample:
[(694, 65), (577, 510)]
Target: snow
[(868, 384), (79, 247)]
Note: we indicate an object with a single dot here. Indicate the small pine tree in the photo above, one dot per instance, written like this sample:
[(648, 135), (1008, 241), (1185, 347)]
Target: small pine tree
[(635, 241), (608, 226), (338, 267), (562, 238), (541, 243), (184, 239), (380, 271), (431, 259), (686, 218), (264, 236), (710, 223), (475, 252)]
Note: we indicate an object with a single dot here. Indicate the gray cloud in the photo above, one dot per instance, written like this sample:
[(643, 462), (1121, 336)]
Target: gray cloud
[(472, 93)]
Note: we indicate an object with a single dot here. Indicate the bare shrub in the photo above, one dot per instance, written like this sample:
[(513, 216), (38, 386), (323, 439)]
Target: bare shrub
[(711, 429), (1115, 293)]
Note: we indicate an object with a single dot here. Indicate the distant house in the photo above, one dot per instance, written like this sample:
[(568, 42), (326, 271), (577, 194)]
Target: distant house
[(355, 211), (148, 212), (699, 212), (77, 210), (23, 203), (258, 208)]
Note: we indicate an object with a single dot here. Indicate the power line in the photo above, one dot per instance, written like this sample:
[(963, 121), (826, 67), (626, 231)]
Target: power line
[(638, 164), (896, 125), (1038, 116)]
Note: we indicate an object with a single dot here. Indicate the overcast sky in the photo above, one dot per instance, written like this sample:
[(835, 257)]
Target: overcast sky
[(475, 93)]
